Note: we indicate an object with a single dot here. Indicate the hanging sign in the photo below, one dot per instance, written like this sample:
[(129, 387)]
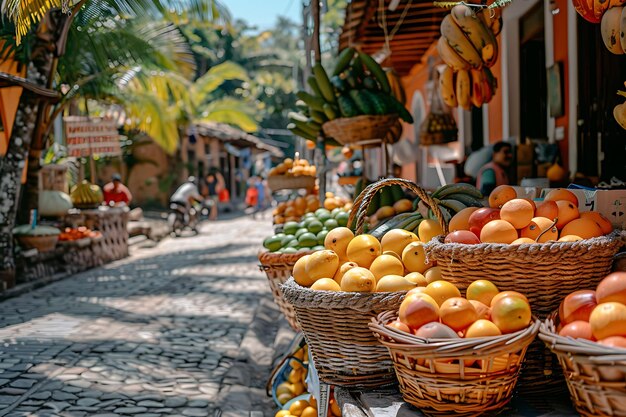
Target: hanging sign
[(91, 135)]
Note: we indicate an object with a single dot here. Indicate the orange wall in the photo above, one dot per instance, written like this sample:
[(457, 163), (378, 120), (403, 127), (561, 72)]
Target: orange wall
[(9, 100), (495, 105), (560, 55)]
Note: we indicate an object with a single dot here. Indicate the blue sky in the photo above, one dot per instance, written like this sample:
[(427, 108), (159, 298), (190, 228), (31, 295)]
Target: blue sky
[(263, 13)]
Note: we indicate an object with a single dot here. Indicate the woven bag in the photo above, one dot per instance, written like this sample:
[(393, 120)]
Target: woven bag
[(278, 268), (431, 381), (349, 130), (595, 374)]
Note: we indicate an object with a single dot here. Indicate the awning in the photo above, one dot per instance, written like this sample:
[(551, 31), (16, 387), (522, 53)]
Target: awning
[(415, 23), (235, 137)]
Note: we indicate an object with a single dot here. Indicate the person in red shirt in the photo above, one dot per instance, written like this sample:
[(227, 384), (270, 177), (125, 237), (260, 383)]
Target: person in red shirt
[(116, 193)]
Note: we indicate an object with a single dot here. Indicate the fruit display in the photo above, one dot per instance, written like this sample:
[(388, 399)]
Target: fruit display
[(72, 234), (598, 315), (452, 199), (469, 48), (293, 168), (293, 210), (512, 220), (362, 263), (308, 234), (307, 407), (438, 311), (86, 195), (357, 86), (619, 112), (386, 203)]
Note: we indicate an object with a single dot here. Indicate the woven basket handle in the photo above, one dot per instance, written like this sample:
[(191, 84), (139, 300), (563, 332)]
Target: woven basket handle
[(365, 198)]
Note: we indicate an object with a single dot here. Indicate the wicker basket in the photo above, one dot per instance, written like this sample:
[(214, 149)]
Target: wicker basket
[(595, 374), (345, 351), (347, 130), (41, 243), (429, 380), (283, 182), (278, 267), (543, 272)]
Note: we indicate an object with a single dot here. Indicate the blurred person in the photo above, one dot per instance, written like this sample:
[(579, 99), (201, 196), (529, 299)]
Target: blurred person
[(115, 193), (494, 173), (186, 195), (213, 190)]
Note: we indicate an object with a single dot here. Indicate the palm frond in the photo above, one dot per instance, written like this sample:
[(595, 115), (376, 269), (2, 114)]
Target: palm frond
[(216, 76), (231, 111)]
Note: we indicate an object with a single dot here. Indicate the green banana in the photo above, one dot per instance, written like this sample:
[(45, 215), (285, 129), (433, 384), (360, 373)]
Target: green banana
[(301, 133), (414, 225), (313, 102), (314, 86), (454, 205), (319, 117), (466, 199), (376, 70), (297, 116), (444, 212), (330, 111), (344, 59), (324, 83), (416, 203), (461, 187)]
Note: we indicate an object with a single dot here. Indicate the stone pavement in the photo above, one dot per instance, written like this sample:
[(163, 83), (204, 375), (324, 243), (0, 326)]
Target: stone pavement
[(185, 328)]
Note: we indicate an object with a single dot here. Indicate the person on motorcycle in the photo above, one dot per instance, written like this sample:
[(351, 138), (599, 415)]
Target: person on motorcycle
[(185, 196)]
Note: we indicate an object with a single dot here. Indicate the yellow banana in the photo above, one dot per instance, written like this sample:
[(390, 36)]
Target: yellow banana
[(479, 35), (463, 89), (459, 42), (450, 57), (447, 87), (477, 88), (492, 18)]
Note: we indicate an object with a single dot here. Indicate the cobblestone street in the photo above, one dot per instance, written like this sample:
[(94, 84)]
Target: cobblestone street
[(185, 328)]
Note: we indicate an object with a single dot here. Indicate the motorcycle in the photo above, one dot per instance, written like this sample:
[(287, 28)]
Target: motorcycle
[(179, 219)]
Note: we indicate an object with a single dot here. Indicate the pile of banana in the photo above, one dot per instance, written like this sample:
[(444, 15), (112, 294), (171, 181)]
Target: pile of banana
[(86, 195), (357, 86), (468, 46), (451, 199)]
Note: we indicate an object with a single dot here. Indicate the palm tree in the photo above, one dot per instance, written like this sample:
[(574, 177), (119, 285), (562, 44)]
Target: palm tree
[(47, 23)]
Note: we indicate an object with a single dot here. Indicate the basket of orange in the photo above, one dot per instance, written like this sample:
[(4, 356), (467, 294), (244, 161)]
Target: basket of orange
[(336, 291), (541, 249), (588, 336), (457, 355), (292, 174)]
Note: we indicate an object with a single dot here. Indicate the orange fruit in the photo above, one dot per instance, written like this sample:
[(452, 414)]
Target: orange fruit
[(537, 226), (309, 412), (417, 310), (300, 205), (500, 195), (460, 221), (602, 221), (414, 258), (518, 212), (561, 194), (298, 407), (568, 211), (608, 319), (505, 294), (483, 311), (585, 228), (569, 238), (547, 209), (326, 284), (363, 249), (457, 313), (498, 231), (511, 314), (522, 240), (481, 290), (440, 291), (482, 328), (290, 212)]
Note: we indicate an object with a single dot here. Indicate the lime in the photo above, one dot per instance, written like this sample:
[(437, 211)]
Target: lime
[(342, 218), (307, 240), (290, 250), (315, 226), (290, 228), (330, 224), (286, 239), (318, 247), (321, 236), (322, 214), (334, 212), (272, 243), (301, 231), (293, 244)]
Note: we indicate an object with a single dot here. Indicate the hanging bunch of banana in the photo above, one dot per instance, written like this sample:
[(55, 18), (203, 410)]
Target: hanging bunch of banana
[(469, 47), (357, 86), (619, 112)]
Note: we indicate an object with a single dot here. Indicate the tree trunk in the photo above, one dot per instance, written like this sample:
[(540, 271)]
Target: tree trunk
[(49, 44)]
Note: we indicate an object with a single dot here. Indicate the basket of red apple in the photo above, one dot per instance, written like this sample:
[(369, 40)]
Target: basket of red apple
[(458, 355), (588, 335)]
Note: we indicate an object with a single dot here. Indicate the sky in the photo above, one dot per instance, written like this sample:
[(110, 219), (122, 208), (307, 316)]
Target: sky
[(262, 13)]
